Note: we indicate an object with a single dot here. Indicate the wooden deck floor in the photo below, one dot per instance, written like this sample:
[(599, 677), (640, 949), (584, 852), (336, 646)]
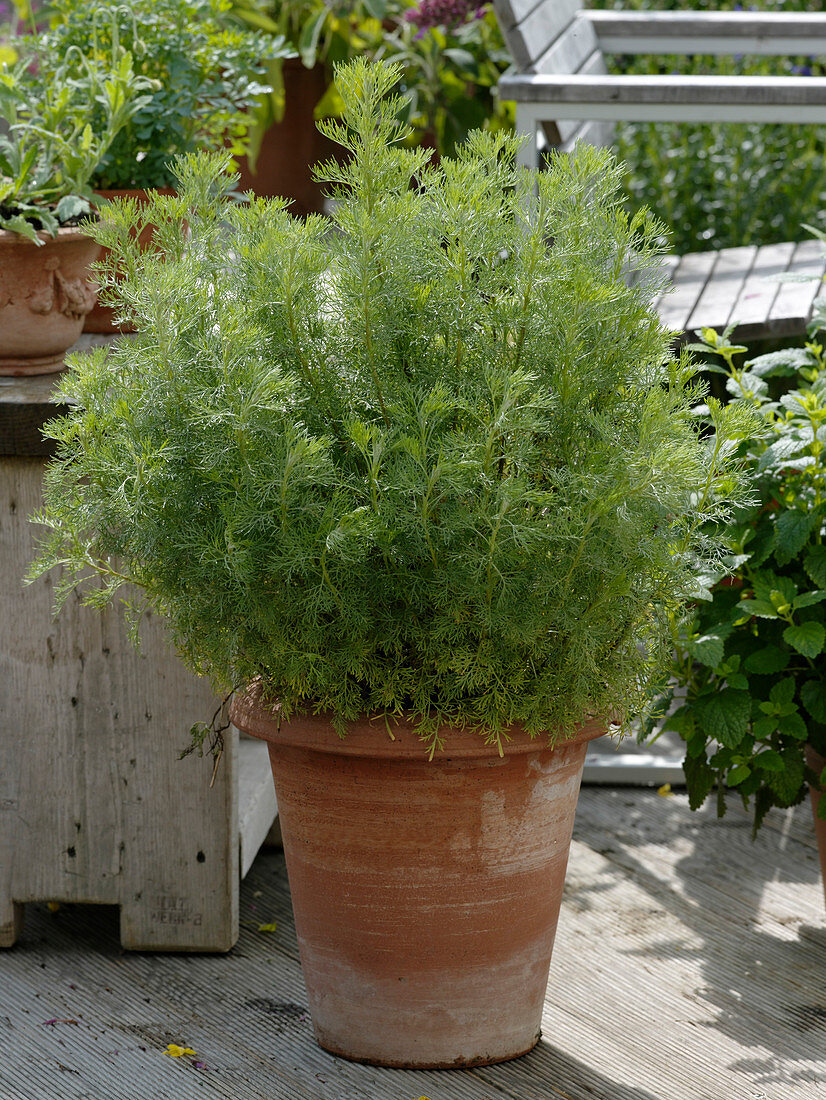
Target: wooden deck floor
[(689, 965)]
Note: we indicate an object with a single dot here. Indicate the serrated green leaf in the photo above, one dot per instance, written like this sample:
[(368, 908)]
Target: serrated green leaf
[(762, 608), (724, 715), (782, 692), (699, 778), (815, 565), (808, 599), (813, 695), (780, 452), (747, 386), (707, 649), (764, 727), (18, 224), (769, 761), (767, 660), (791, 532), (780, 363), (71, 206), (738, 680), (793, 725), (738, 774), (807, 638)]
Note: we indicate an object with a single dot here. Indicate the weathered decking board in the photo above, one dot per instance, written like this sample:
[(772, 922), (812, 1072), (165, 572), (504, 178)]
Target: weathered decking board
[(689, 965), (714, 289)]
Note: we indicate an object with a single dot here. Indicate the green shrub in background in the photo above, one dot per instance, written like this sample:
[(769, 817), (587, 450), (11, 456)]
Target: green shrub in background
[(721, 185), (749, 663), (208, 73), (451, 58)]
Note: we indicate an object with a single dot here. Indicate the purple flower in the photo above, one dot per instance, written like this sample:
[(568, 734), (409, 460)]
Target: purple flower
[(444, 13)]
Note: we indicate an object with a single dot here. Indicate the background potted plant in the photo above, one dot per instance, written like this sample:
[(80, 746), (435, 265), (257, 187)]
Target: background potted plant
[(57, 133), (425, 490), (207, 73), (749, 668), (451, 57)]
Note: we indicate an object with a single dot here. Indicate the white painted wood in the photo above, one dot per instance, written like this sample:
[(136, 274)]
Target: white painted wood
[(672, 98), (258, 808), (767, 33), (511, 12), (634, 770), (760, 288), (715, 304), (688, 282), (532, 36), (793, 303)]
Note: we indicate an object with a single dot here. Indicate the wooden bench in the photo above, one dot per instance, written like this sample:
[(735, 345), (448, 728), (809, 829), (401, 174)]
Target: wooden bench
[(562, 91), (95, 806)]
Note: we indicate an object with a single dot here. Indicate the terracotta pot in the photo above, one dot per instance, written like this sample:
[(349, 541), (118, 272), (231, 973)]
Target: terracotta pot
[(817, 763), (45, 293), (426, 894), (101, 318), (291, 147)]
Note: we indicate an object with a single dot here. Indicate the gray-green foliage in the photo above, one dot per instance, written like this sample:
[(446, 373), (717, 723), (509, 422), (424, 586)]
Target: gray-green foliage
[(438, 459)]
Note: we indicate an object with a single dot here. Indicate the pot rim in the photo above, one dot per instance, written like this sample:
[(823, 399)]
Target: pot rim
[(65, 234), (368, 735)]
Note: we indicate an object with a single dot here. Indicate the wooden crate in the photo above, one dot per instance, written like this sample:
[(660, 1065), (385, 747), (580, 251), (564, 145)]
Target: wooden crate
[(95, 805)]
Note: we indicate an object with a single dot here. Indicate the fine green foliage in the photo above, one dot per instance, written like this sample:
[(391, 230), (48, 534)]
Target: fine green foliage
[(720, 185), (59, 131), (750, 662), (437, 459), (206, 73)]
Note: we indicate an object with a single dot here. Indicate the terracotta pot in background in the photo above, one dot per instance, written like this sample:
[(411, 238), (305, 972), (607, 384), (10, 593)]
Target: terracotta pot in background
[(101, 318), (817, 763), (291, 147), (426, 894), (45, 295)]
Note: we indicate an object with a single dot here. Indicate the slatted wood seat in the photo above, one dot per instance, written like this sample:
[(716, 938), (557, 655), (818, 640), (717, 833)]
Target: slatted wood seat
[(563, 93)]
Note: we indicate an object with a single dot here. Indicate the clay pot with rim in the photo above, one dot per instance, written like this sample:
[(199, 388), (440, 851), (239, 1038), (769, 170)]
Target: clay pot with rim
[(101, 318), (817, 763), (46, 292), (426, 893)]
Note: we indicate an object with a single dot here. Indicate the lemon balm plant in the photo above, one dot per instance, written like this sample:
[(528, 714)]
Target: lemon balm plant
[(428, 481), (750, 660)]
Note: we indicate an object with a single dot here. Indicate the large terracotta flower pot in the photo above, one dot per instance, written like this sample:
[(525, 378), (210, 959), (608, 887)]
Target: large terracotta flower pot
[(101, 318), (817, 763), (293, 146), (426, 894), (45, 293)]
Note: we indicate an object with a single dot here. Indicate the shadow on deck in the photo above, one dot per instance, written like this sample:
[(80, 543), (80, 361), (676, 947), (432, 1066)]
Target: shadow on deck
[(689, 965)]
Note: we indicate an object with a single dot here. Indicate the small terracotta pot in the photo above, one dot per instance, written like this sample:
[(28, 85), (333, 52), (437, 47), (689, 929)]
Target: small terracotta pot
[(426, 894), (45, 293), (817, 763), (293, 146), (101, 318)]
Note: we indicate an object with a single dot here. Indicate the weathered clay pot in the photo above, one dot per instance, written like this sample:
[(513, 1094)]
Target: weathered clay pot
[(817, 763), (101, 318), (426, 894), (293, 146), (45, 294)]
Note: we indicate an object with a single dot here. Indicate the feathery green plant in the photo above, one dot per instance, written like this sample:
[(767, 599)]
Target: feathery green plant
[(436, 459)]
